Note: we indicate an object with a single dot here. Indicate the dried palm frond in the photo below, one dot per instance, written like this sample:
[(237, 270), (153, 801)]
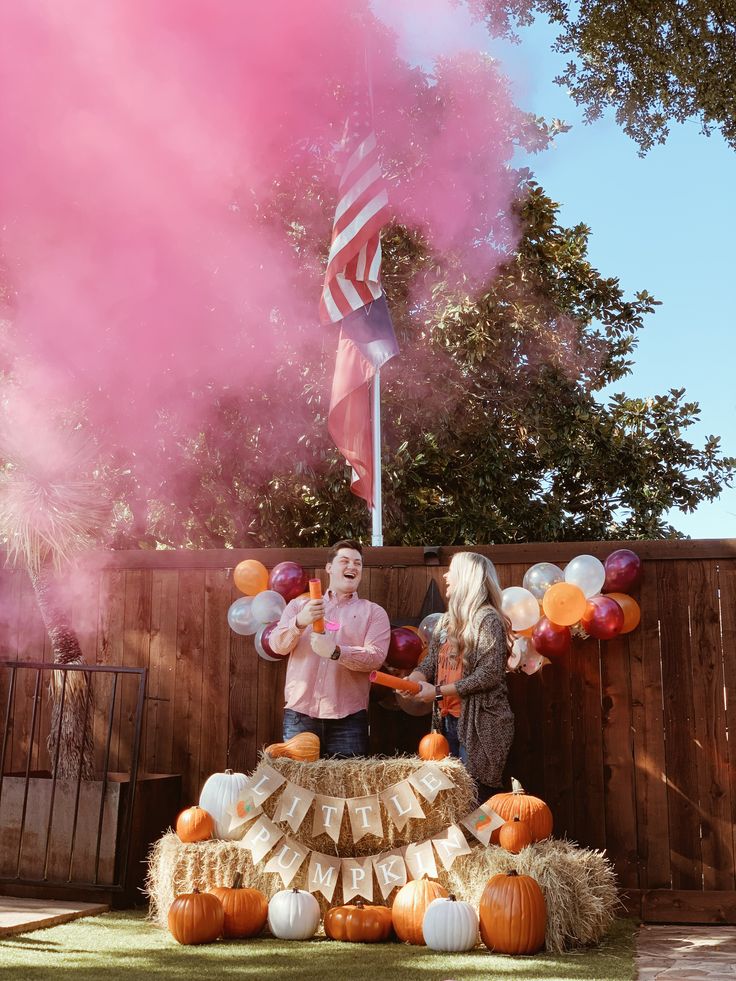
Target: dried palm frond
[(51, 507)]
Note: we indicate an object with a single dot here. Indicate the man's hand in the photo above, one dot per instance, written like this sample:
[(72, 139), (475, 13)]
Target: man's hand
[(323, 644), (311, 611)]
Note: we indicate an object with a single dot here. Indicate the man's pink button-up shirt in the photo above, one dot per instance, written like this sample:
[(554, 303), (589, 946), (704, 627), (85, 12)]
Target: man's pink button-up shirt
[(318, 686)]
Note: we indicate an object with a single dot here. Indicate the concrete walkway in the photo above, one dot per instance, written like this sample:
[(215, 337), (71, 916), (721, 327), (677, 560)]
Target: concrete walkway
[(686, 952), (22, 915)]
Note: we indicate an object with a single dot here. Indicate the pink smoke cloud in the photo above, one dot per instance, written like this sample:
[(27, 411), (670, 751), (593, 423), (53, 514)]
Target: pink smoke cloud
[(144, 143)]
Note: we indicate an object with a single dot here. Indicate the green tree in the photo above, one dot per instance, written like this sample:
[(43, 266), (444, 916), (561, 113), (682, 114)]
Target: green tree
[(652, 61), (492, 428)]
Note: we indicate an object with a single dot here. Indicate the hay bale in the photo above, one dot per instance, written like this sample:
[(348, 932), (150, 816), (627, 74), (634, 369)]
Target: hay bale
[(578, 884)]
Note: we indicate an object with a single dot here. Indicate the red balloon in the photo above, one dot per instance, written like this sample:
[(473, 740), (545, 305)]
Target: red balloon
[(549, 639), (603, 618), (623, 571), (262, 645), (404, 650), (289, 579)]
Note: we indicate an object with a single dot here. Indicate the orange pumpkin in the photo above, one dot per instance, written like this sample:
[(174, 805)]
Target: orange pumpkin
[(514, 835), (359, 923), (196, 918), (527, 808), (246, 910), (434, 746), (304, 747), (513, 914), (194, 824), (410, 906)]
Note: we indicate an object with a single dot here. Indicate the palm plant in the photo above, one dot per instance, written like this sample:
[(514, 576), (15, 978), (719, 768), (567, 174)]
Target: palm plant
[(51, 510)]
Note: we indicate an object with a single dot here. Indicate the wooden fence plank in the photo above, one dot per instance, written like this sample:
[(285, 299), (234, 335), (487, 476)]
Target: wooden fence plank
[(30, 648), (557, 740), (710, 735), (215, 681), (587, 746), (618, 760), (9, 628), (727, 589), (187, 696), (136, 650), (110, 651), (162, 671), (682, 778)]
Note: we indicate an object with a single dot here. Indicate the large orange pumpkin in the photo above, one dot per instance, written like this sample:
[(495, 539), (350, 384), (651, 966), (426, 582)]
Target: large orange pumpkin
[(246, 910), (527, 808), (194, 824), (359, 923), (196, 918), (513, 914), (410, 906), (434, 746), (304, 747)]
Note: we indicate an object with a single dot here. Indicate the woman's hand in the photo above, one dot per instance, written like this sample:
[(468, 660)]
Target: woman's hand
[(414, 676), (426, 693)]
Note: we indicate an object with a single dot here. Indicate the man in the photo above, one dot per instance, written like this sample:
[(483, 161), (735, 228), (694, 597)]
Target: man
[(327, 683)]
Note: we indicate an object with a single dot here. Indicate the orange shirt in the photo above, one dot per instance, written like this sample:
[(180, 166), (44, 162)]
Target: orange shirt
[(449, 670)]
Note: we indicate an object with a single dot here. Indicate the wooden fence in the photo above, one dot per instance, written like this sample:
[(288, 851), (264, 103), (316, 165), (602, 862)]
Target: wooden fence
[(627, 740)]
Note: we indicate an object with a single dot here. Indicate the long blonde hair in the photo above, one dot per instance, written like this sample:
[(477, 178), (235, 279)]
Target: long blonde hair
[(475, 587)]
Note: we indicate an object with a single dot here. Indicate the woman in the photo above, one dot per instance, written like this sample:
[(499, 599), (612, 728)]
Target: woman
[(464, 672)]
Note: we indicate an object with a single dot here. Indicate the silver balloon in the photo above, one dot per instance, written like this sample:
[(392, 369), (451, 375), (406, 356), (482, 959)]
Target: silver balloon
[(240, 617), (587, 573), (426, 627), (520, 607), (538, 578), (268, 605)]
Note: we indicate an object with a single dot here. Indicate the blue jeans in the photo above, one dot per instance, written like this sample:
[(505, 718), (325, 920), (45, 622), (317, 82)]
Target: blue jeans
[(339, 738)]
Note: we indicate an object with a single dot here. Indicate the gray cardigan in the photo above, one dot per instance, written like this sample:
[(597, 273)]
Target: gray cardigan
[(486, 724)]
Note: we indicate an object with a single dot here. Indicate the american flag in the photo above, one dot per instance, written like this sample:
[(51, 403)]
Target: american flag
[(352, 294), (352, 279)]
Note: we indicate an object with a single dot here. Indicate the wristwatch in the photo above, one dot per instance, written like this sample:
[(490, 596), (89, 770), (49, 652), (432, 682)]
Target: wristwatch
[(335, 656), (438, 693)]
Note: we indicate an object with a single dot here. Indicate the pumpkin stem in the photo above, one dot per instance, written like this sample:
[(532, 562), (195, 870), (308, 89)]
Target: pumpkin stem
[(452, 897), (512, 872), (359, 903), (195, 891), (516, 787), (238, 880), (516, 817), (228, 772)]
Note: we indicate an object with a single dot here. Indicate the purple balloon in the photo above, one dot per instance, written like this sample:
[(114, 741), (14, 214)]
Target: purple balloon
[(623, 571), (289, 579), (603, 618), (404, 650)]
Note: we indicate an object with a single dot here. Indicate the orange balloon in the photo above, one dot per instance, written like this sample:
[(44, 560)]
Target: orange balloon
[(564, 604), (632, 611), (251, 577)]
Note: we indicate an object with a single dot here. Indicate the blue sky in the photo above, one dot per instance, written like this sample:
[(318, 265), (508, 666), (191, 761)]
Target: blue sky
[(664, 223)]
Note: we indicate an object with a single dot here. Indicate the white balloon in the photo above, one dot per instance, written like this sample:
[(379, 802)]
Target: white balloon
[(518, 653), (240, 617), (426, 627), (268, 605), (539, 577), (587, 573), (520, 606)]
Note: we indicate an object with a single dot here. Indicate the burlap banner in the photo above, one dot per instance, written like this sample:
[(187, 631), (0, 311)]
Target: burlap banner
[(260, 838), (365, 816), (450, 844), (242, 811), (390, 869), (293, 805), (429, 781), (401, 803), (420, 861), (287, 859), (482, 822), (264, 782), (357, 878), (323, 873), (327, 816)]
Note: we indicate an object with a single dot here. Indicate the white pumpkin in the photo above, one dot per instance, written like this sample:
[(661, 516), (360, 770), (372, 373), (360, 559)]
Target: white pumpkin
[(450, 925), (293, 914), (220, 791)]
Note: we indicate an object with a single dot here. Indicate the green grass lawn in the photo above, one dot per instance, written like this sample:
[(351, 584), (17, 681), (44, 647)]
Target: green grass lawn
[(120, 946)]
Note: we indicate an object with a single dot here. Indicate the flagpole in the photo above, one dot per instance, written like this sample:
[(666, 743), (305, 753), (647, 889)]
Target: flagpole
[(377, 510)]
